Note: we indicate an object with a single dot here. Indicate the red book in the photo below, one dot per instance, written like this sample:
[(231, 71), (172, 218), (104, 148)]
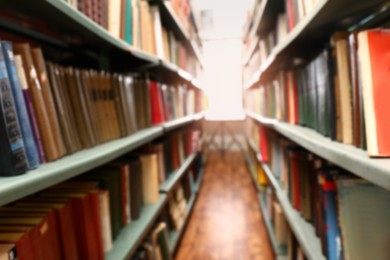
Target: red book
[(294, 181), (290, 14), (292, 98), (22, 240), (374, 58), (263, 144), (156, 103), (62, 212)]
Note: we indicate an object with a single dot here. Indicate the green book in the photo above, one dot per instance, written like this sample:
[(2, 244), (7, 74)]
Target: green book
[(129, 22)]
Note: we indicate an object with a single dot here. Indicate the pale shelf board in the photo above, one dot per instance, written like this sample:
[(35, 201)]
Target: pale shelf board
[(348, 157), (176, 176), (134, 233), (303, 230), (14, 188)]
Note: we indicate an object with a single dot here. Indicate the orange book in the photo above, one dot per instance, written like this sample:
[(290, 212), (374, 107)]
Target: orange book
[(374, 58)]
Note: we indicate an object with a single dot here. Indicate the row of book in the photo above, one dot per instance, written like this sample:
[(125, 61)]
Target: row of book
[(330, 198), (288, 245), (49, 110), (341, 93), (139, 23), (80, 218)]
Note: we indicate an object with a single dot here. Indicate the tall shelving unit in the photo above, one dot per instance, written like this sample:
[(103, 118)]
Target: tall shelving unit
[(65, 28), (326, 17)]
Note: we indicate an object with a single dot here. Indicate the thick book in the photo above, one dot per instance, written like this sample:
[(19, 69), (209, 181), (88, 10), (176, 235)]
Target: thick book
[(374, 51), (114, 17), (156, 101), (21, 108), (340, 45), (52, 152), (135, 187), (68, 131), (13, 158), (150, 184), (40, 66)]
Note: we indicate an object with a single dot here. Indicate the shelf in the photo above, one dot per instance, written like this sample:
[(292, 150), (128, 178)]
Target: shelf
[(252, 172), (133, 234), (279, 251), (326, 17), (13, 188), (175, 177), (250, 52), (174, 236), (348, 157), (303, 230), (198, 183), (170, 18), (171, 125)]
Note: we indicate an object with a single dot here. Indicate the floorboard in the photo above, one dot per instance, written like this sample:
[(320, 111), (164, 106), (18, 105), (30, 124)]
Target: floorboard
[(226, 222)]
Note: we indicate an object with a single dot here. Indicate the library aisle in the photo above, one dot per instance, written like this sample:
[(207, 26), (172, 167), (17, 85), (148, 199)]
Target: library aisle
[(226, 222)]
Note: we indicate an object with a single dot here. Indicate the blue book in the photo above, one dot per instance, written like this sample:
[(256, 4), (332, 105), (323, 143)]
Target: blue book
[(13, 159), (129, 23), (333, 241), (22, 114)]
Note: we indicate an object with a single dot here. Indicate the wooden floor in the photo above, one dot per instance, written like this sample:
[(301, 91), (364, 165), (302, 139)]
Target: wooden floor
[(226, 222)]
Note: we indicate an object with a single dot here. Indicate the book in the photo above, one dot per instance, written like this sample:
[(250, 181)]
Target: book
[(150, 184), (13, 158), (44, 124), (40, 66), (8, 252), (373, 46), (30, 108), (21, 108)]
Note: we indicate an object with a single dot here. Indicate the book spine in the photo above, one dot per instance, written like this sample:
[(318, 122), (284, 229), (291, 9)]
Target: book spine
[(30, 109), (24, 121), (13, 155)]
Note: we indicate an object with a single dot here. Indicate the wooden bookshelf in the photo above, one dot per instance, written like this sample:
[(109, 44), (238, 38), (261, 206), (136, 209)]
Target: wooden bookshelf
[(14, 188), (313, 30), (133, 234), (345, 156)]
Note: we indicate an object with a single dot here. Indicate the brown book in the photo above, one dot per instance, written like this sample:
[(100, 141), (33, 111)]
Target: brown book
[(79, 109), (126, 101), (63, 113), (116, 83), (356, 92), (74, 142), (67, 103), (150, 184), (340, 44), (110, 99), (90, 103), (52, 152), (40, 66), (96, 98)]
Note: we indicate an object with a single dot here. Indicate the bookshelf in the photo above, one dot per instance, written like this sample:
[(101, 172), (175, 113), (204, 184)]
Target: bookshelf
[(72, 165), (303, 230), (59, 26), (312, 30), (133, 234), (283, 39), (346, 156), (73, 29)]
